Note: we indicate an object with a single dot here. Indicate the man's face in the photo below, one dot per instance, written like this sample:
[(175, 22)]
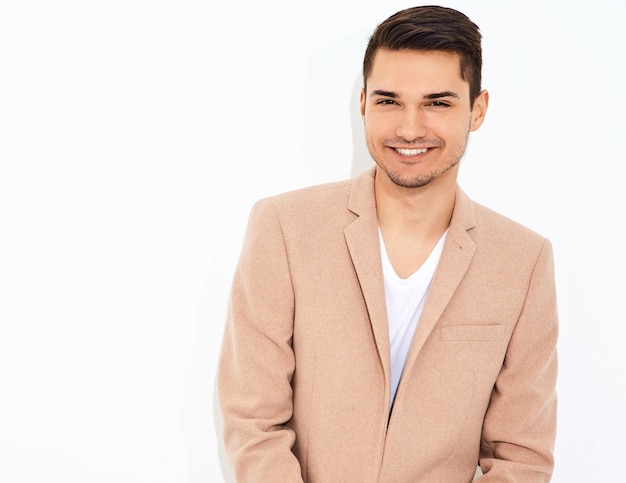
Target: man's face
[(417, 115)]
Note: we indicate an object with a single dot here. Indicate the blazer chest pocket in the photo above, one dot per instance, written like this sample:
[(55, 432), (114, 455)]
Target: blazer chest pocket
[(472, 332)]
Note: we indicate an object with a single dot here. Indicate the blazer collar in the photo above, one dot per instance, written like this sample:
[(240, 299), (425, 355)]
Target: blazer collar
[(363, 201), (362, 198)]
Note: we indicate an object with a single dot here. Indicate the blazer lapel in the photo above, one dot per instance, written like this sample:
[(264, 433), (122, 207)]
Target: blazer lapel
[(457, 254), (364, 246)]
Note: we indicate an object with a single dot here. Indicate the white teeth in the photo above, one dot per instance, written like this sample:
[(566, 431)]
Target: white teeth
[(410, 152)]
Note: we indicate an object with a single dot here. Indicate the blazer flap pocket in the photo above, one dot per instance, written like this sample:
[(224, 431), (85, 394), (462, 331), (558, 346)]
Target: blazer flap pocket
[(472, 332)]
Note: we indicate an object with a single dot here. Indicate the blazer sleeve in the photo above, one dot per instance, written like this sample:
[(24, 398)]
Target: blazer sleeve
[(520, 424), (257, 362)]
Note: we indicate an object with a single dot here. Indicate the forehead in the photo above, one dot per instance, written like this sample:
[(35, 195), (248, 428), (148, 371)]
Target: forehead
[(414, 69)]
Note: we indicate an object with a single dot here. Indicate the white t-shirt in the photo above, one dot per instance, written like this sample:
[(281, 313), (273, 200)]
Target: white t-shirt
[(405, 301)]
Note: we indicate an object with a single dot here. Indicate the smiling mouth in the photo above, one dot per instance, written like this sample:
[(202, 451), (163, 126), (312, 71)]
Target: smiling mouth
[(410, 152)]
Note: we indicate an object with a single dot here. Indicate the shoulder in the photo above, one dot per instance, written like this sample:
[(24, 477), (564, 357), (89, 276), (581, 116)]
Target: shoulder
[(485, 225), (306, 220), (320, 194), (496, 222), (502, 238), (306, 204)]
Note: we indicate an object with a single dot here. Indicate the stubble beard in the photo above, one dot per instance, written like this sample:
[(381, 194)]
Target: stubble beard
[(422, 179), (418, 181)]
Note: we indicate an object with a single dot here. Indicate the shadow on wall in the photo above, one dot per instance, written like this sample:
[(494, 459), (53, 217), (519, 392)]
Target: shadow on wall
[(226, 469), (361, 159)]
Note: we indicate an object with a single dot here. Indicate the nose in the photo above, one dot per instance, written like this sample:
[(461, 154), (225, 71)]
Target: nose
[(411, 125)]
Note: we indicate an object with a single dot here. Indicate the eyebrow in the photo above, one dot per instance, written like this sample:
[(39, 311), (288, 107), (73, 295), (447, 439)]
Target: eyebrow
[(436, 95), (439, 95), (378, 92)]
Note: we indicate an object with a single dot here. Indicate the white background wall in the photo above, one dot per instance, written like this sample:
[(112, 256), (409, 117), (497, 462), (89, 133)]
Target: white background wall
[(134, 137)]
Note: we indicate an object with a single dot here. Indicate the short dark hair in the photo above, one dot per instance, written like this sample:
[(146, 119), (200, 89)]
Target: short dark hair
[(431, 28)]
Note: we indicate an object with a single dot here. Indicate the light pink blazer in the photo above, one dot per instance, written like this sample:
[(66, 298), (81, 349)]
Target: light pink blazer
[(304, 377)]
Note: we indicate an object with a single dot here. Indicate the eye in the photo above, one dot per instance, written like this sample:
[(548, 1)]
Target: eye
[(441, 104), (385, 102)]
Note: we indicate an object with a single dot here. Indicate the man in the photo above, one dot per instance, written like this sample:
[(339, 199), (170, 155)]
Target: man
[(388, 329)]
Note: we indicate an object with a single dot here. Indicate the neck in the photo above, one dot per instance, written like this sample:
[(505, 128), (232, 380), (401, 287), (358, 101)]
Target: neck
[(422, 212)]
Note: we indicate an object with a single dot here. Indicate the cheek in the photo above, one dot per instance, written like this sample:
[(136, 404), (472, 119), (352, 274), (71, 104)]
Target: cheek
[(455, 130), (370, 125), (378, 125)]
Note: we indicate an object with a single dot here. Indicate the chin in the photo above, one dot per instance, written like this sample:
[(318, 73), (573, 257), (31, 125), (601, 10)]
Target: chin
[(411, 181)]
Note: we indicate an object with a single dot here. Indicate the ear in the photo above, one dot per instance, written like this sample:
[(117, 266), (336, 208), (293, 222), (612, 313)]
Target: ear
[(362, 101), (479, 111)]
